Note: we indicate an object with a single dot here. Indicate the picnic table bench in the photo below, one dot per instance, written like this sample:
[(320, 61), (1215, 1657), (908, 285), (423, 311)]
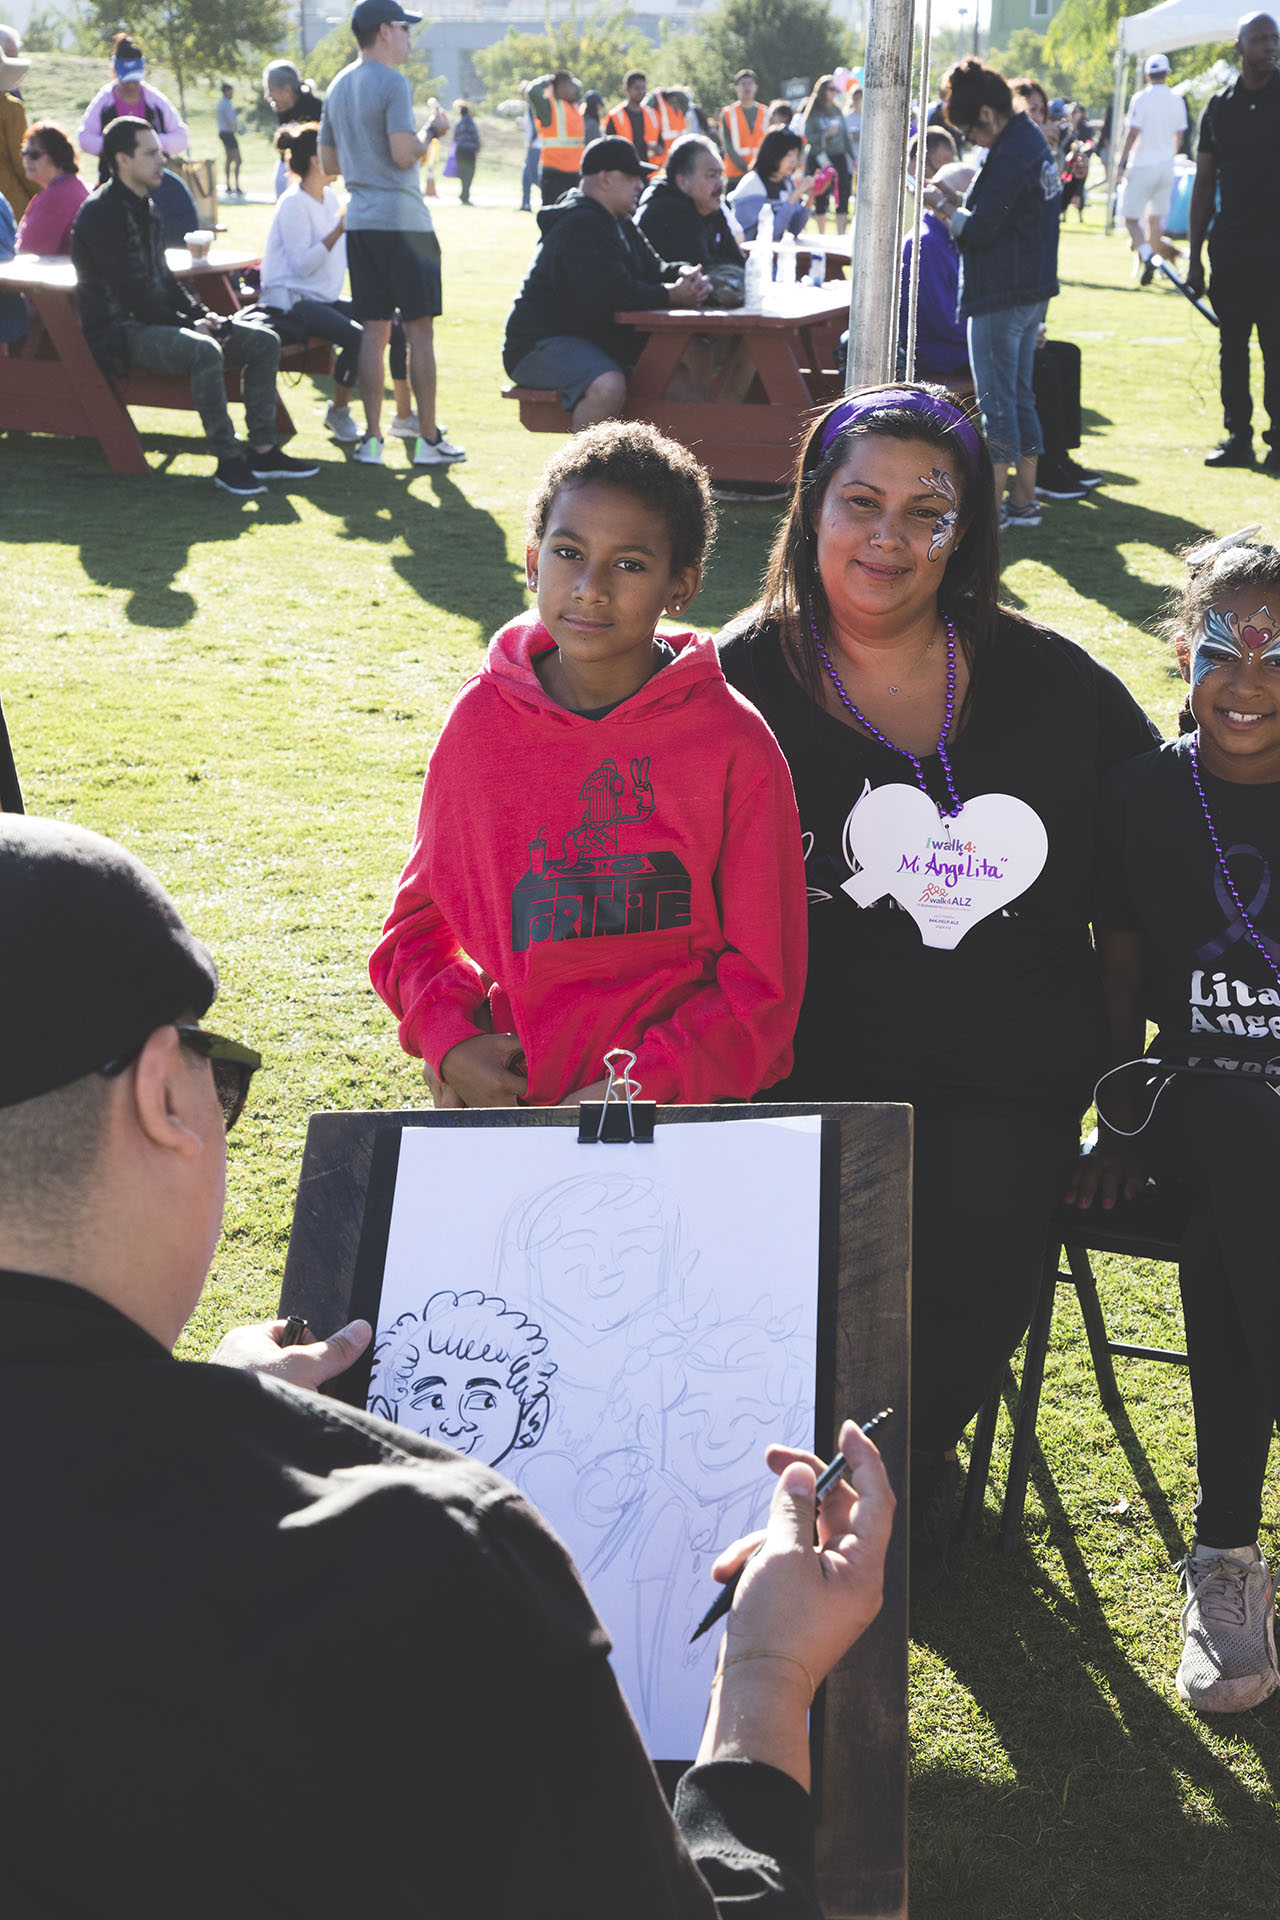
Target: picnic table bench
[(51, 383), (791, 347)]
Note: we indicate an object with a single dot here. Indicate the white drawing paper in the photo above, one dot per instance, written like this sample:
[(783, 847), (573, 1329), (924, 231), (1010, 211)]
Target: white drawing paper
[(621, 1330)]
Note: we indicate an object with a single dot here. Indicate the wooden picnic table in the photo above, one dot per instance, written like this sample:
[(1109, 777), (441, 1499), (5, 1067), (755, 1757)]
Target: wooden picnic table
[(51, 383), (791, 346)]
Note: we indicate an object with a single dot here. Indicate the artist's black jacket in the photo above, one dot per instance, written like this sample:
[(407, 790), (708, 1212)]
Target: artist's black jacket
[(117, 249), (267, 1653), (589, 265)]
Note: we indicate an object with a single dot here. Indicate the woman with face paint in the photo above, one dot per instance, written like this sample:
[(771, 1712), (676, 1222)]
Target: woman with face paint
[(946, 757), (1188, 928)]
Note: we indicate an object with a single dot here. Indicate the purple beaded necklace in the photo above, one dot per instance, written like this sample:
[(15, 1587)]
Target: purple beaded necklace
[(957, 804), (1223, 868)]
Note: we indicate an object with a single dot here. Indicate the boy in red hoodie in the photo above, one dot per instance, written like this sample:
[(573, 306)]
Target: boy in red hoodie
[(608, 850)]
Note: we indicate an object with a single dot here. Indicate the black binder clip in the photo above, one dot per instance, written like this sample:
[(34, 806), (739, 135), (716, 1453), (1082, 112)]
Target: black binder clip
[(619, 1118)]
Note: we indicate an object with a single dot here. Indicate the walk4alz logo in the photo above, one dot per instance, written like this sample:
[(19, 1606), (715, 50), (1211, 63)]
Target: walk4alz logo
[(592, 890)]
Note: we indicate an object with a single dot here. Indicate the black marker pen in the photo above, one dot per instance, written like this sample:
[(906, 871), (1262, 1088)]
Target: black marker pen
[(826, 1480)]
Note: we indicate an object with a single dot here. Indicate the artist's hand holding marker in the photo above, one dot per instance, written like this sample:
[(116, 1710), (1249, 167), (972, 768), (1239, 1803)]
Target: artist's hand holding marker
[(274, 1346), (486, 1071), (798, 1607)]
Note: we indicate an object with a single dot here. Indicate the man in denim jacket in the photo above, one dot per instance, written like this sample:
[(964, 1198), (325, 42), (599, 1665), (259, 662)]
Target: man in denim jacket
[(1006, 230)]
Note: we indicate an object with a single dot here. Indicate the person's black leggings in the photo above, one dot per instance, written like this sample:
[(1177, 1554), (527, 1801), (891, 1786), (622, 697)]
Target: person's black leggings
[(1219, 1140), (989, 1175)]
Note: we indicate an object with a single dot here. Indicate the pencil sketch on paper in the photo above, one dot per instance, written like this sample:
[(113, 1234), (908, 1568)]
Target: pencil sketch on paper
[(469, 1371), (667, 1394), (646, 1326)]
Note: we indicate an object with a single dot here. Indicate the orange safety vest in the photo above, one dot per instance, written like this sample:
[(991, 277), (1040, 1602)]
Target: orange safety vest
[(619, 123), (733, 121), (561, 143), (671, 125)]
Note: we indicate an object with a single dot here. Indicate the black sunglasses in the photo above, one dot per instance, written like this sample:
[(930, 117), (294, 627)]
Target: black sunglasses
[(233, 1067)]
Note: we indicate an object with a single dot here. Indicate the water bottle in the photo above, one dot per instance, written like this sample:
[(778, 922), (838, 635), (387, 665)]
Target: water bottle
[(759, 273), (786, 269), (817, 264)]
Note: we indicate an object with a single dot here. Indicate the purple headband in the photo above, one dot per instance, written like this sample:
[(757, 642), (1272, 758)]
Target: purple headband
[(893, 399)]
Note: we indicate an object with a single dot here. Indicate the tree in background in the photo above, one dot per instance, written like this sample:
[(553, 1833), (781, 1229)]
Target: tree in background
[(598, 51), (1082, 41), (194, 39), (1025, 52), (781, 39)]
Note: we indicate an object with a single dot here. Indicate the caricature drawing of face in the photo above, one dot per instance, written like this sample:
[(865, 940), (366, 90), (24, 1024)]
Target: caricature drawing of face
[(466, 1404), (469, 1371), (595, 1252), (740, 1386)]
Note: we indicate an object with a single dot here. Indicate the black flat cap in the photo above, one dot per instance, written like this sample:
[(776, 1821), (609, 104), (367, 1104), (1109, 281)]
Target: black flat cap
[(94, 956)]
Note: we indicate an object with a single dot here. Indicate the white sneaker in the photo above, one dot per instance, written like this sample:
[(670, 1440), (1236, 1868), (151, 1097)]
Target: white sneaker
[(368, 451), (440, 453), (1228, 1659), (405, 426), (339, 423)]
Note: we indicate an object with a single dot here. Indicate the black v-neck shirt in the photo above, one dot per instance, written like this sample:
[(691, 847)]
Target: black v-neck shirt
[(1015, 1010)]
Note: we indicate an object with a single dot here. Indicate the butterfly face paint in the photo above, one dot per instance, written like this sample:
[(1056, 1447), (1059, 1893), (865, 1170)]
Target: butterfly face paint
[(1226, 640), (944, 527)]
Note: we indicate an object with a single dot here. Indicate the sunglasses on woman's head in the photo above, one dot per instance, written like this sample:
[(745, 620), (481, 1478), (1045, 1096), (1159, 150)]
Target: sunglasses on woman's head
[(233, 1067)]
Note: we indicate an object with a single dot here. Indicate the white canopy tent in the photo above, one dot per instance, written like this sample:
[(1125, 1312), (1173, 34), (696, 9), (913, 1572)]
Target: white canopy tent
[(1163, 29)]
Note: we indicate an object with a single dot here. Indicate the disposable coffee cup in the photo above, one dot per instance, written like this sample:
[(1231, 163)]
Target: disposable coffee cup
[(198, 242)]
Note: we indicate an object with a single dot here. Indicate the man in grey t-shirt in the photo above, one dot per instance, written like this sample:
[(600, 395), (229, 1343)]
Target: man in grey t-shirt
[(367, 134)]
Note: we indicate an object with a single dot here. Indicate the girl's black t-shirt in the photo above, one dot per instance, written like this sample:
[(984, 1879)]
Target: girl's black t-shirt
[(1159, 877), (1015, 1010)]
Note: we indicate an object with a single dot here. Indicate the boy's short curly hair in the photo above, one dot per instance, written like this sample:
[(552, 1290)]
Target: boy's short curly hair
[(636, 459)]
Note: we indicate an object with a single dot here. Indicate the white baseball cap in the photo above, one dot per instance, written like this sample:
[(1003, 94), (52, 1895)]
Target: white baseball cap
[(1158, 63)]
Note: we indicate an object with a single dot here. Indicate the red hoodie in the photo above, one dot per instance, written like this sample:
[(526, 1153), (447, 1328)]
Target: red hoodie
[(633, 881)]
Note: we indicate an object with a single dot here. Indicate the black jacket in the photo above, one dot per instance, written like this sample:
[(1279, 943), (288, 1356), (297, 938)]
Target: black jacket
[(589, 265), (267, 1652), (117, 249), (674, 228)]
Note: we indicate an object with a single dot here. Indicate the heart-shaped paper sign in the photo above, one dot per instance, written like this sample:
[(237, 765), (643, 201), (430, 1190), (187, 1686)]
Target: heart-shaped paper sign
[(948, 874)]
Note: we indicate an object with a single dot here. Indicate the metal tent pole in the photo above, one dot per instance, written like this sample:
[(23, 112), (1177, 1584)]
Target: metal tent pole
[(882, 164), (1114, 145)]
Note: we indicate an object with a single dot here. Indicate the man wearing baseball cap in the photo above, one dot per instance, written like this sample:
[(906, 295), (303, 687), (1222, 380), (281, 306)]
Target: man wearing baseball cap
[(1157, 131), (393, 256), (592, 262), (266, 1651)]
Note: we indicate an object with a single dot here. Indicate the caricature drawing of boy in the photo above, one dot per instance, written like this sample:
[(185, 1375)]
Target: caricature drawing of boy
[(469, 1371)]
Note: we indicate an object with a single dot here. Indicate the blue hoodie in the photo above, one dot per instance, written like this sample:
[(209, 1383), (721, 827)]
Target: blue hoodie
[(1007, 229)]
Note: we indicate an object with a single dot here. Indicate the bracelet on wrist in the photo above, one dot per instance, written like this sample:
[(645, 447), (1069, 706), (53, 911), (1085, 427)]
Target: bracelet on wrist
[(733, 1659)]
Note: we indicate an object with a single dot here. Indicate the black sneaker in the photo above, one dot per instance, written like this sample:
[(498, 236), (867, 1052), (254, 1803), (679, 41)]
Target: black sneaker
[(234, 476), (278, 465), (1082, 476), (1055, 483), (935, 1482), (1148, 274), (1235, 451), (1271, 462)]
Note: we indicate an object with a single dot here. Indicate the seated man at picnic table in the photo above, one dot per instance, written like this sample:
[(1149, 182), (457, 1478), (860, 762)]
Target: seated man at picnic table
[(682, 215), (136, 313), (592, 262)]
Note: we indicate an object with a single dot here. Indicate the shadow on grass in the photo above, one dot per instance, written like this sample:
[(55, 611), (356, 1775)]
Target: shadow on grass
[(135, 535), (458, 557), (1083, 541), (1122, 1802)]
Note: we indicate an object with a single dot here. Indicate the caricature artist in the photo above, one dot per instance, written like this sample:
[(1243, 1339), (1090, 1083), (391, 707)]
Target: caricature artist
[(449, 1731)]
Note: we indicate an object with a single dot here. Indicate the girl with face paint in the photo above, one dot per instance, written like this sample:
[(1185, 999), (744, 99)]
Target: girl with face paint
[(1188, 929)]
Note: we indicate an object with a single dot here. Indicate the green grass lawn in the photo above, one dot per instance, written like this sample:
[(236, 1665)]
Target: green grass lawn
[(246, 693)]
